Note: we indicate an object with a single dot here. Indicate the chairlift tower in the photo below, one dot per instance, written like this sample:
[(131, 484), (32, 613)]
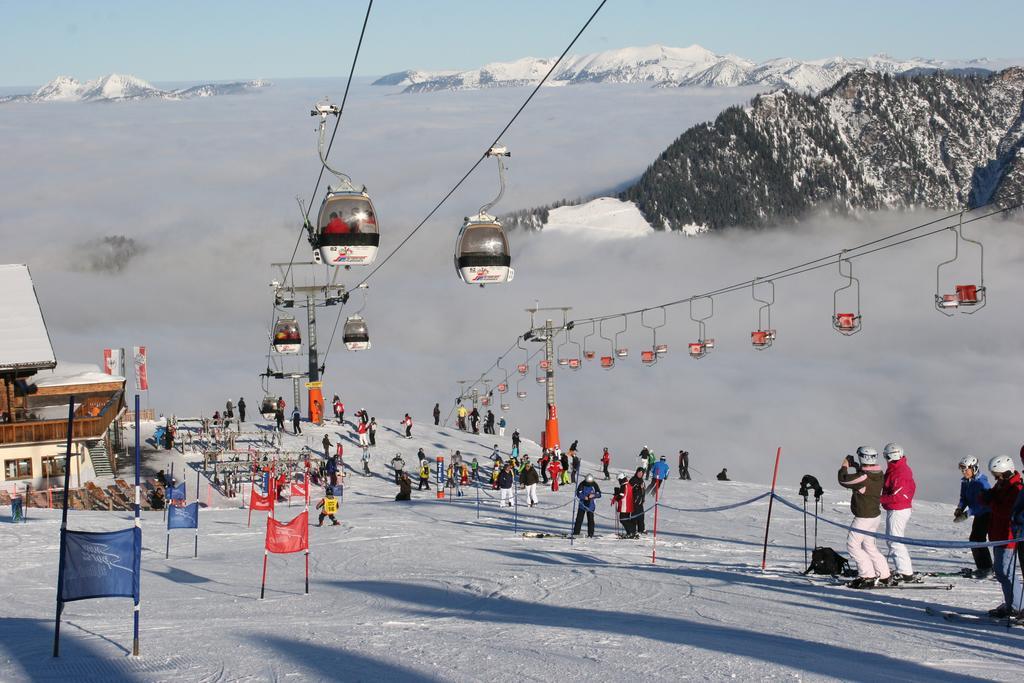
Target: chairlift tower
[(546, 334), (327, 294)]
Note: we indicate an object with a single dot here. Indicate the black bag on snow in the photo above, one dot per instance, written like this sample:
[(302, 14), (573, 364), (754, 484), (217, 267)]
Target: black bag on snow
[(827, 561)]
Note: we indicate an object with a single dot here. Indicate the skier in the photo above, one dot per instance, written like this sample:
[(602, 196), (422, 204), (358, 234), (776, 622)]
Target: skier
[(555, 470), (897, 499), (684, 464), (574, 462), (622, 500), (404, 488), (643, 457), (972, 484), (437, 414), (336, 406), (489, 423), (229, 409), (366, 461), (529, 479), (281, 405), (505, 480), (424, 475), (564, 461), (328, 506), (1001, 498), (371, 430), (461, 414), (515, 438), (501, 426), (637, 484), (407, 423), (296, 418), (587, 493), (364, 438), (659, 473), (866, 484), (279, 417), (475, 467), (331, 470), (398, 465), (474, 419), (723, 475), (606, 461), (327, 446)]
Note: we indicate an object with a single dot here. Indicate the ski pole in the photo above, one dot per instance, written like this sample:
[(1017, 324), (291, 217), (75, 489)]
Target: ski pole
[(805, 531), (1013, 577)]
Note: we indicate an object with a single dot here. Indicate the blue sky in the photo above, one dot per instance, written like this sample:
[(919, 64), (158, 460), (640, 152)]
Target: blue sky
[(182, 40)]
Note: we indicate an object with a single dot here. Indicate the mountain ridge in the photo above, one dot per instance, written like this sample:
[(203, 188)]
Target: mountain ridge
[(122, 87)]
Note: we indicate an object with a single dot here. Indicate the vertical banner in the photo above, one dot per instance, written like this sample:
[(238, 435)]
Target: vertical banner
[(141, 368), (113, 361)]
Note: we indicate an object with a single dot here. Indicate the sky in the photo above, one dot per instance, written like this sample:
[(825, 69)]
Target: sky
[(206, 187), (193, 40)]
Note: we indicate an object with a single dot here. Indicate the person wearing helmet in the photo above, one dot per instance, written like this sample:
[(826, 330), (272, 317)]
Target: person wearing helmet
[(622, 500), (865, 482), (1002, 497), (606, 461), (506, 482), (328, 507), (587, 493), (659, 473), (897, 499), (637, 482), (972, 484)]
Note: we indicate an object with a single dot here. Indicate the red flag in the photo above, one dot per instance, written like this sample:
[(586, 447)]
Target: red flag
[(258, 501), (299, 489), (290, 537)]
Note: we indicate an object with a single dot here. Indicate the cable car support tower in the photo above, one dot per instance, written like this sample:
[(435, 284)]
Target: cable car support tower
[(546, 334)]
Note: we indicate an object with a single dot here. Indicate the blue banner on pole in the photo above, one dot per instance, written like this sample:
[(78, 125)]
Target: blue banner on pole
[(176, 492), (102, 564), (186, 517)]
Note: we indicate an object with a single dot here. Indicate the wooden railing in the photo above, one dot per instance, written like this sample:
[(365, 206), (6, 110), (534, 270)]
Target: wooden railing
[(41, 431)]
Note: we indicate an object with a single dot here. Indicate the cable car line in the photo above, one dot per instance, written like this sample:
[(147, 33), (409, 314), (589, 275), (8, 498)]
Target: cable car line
[(496, 142)]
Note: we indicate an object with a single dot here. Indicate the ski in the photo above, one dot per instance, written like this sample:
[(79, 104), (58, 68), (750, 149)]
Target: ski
[(540, 534), (966, 573), (968, 617)]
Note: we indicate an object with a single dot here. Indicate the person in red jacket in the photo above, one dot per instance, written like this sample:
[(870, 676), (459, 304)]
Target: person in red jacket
[(606, 461), (622, 499), (898, 499), (1001, 498), (554, 469)]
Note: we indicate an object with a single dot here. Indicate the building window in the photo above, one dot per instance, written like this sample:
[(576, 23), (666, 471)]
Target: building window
[(20, 468), (53, 466)]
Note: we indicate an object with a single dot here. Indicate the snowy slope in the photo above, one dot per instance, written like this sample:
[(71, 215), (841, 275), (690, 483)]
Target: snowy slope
[(432, 590), (665, 66), (119, 87), (602, 218)]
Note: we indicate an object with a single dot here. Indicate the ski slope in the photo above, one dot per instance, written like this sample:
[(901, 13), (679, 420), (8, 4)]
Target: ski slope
[(442, 590)]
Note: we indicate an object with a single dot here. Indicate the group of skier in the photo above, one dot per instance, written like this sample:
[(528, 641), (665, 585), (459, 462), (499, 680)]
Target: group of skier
[(998, 511)]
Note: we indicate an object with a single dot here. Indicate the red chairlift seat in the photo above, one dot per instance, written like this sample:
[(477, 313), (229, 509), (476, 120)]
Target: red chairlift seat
[(846, 323), (523, 368), (485, 401), (589, 355), (647, 357), (502, 388), (607, 362), (544, 364), (574, 363), (968, 295)]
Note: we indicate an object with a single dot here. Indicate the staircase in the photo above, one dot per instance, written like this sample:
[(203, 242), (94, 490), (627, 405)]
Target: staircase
[(100, 461)]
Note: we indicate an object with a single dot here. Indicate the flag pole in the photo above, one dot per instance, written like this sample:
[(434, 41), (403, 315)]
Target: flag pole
[(768, 522), (196, 552), (138, 524), (63, 529), (307, 531)]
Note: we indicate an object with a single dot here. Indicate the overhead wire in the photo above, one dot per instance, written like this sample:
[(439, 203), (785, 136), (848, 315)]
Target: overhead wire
[(475, 165)]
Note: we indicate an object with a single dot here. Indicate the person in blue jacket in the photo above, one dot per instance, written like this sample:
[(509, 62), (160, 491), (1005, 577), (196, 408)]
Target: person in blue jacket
[(587, 494), (971, 486), (659, 473)]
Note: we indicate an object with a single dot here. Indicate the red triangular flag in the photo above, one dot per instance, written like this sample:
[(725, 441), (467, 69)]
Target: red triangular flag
[(299, 489), (290, 537), (258, 501)]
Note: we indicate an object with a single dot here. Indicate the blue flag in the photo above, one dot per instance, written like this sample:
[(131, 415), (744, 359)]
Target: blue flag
[(176, 492), (102, 564), (186, 517)]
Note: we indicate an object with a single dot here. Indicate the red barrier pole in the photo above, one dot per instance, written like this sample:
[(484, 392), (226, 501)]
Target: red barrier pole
[(654, 545), (768, 522)]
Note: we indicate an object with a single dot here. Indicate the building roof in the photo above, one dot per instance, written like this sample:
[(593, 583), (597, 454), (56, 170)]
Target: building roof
[(24, 341), (73, 374)]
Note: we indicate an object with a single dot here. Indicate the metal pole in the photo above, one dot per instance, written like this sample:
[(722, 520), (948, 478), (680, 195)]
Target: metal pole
[(654, 544), (768, 522), (63, 529), (138, 523), (196, 551)]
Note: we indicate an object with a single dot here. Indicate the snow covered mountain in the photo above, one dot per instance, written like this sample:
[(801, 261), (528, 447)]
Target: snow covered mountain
[(120, 87), (667, 67)]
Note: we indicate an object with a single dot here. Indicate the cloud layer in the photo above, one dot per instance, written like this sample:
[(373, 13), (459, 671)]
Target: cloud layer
[(208, 186)]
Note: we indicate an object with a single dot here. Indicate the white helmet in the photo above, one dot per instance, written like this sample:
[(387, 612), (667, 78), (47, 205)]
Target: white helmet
[(893, 452), (1000, 464), (969, 461), (867, 455)]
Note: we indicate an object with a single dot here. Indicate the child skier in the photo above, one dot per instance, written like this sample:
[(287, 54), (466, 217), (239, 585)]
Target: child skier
[(328, 506)]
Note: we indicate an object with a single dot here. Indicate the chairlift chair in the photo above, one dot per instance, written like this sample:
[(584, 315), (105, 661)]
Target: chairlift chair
[(355, 335), (657, 350), (506, 406), (703, 345), (846, 323), (966, 298), (622, 351), (482, 254), (347, 231), (607, 362), (589, 354), (764, 336), (287, 339)]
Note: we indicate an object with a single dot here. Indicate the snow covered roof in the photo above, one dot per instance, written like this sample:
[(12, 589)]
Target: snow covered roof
[(65, 374), (24, 341)]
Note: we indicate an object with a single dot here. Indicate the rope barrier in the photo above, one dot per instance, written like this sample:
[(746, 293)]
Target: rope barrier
[(719, 508), (924, 542)]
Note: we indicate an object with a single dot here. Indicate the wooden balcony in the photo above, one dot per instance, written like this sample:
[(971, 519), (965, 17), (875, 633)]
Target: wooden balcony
[(86, 427)]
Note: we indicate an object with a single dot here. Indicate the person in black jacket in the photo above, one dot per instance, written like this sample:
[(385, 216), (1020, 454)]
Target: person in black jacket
[(437, 414), (404, 487), (505, 481), (587, 494), (241, 410), (637, 482), (684, 464)]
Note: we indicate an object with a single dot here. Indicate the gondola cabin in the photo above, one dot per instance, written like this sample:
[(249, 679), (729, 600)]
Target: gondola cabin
[(355, 335), (269, 406), (482, 255), (347, 231), (846, 323), (287, 338)]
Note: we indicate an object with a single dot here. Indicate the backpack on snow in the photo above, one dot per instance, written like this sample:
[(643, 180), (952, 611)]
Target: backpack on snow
[(827, 561)]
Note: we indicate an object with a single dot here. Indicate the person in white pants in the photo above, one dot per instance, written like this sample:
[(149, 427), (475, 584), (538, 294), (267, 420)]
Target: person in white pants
[(865, 481), (898, 500)]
